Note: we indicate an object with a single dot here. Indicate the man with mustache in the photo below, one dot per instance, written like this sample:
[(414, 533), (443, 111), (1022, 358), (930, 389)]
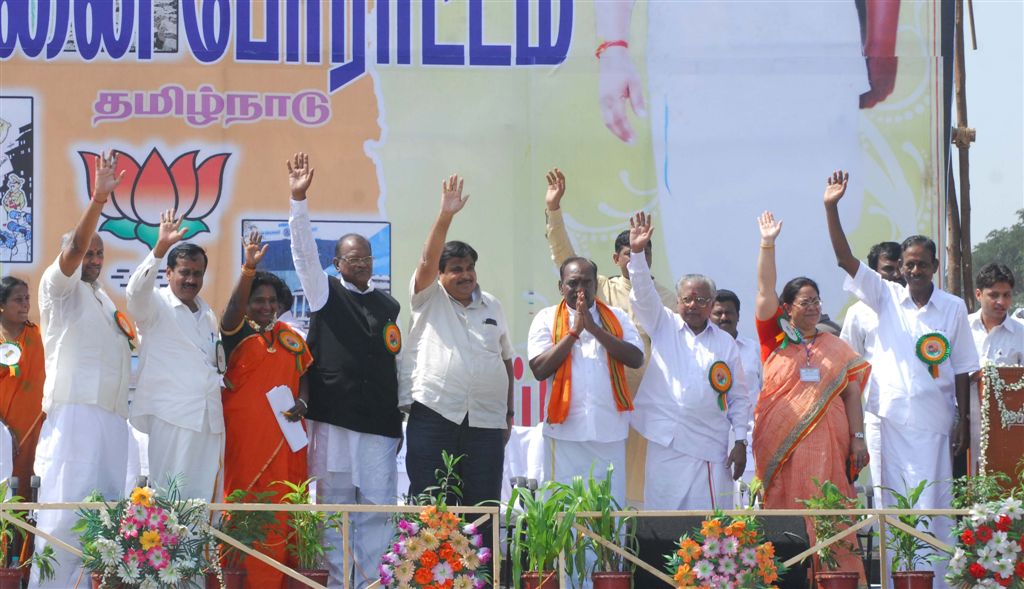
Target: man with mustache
[(178, 397), (584, 346), (458, 371), (922, 406), (354, 423), (83, 443), (693, 394)]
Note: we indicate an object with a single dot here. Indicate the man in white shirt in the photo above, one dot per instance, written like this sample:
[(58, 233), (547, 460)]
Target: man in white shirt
[(457, 371), (998, 338), (923, 376), (83, 443), (177, 400), (584, 347), (693, 393), (354, 423), (725, 313), (859, 327)]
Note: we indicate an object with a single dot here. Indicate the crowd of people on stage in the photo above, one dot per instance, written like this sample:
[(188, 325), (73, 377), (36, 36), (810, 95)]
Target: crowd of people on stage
[(644, 377)]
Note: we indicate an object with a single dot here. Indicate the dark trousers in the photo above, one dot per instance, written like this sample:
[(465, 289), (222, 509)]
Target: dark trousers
[(481, 468)]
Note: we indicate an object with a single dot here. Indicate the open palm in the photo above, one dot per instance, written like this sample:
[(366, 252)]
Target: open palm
[(300, 175), (770, 227)]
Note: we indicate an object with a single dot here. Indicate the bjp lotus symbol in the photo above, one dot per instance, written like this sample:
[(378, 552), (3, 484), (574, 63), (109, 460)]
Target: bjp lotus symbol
[(133, 210)]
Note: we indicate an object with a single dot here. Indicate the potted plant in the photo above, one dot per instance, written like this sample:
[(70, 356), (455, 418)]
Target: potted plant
[(611, 569), (988, 546), (152, 539), (434, 547), (305, 536), (909, 551), (825, 526), (727, 553), (249, 528), (539, 533), (971, 490), (12, 572)]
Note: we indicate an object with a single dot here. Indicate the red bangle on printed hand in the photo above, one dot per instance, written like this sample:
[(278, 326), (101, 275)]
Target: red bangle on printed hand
[(609, 44)]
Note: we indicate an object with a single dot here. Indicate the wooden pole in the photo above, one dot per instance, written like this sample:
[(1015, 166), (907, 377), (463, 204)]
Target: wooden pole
[(962, 137)]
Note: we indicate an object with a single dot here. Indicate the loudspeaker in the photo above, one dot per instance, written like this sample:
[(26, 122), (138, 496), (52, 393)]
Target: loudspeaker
[(657, 537)]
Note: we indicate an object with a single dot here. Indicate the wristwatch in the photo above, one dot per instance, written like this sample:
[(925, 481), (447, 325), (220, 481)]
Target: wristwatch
[(858, 435)]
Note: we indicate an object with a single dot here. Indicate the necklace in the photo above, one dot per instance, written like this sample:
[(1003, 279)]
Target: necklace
[(263, 332)]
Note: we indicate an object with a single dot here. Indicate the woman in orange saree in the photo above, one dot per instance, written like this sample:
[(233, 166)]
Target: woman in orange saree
[(262, 353), (809, 423)]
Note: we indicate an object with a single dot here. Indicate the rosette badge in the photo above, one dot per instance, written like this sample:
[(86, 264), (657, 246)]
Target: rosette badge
[(132, 212), (933, 349), (721, 380)]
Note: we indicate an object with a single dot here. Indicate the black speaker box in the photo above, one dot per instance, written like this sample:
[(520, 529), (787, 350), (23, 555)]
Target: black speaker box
[(657, 537)]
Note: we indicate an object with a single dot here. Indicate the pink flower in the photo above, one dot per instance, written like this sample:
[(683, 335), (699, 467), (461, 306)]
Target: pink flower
[(158, 558), (485, 555), (133, 210), (133, 556)]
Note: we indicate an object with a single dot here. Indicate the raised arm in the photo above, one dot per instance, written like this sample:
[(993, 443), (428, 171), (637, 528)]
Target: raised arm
[(558, 237), (105, 181), (141, 290), (647, 307), (235, 311), (835, 188), (305, 256), (766, 303), (452, 202), (618, 81)]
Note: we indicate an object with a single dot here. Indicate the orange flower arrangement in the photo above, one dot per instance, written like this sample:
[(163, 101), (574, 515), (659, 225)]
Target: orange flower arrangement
[(727, 553)]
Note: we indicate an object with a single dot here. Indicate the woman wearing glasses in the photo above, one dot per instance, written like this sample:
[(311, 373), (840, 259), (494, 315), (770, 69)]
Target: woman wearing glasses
[(809, 422)]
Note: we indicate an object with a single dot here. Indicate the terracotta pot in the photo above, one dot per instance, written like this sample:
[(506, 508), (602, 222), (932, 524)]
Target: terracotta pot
[(233, 579), (533, 580), (317, 575), (10, 578), (836, 580), (912, 579), (616, 580)]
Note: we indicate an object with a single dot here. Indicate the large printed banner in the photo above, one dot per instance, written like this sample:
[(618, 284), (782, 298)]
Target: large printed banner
[(733, 108)]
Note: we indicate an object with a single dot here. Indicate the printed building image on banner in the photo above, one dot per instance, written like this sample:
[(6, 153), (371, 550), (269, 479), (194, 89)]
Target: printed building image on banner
[(278, 259), (164, 23), (17, 138)]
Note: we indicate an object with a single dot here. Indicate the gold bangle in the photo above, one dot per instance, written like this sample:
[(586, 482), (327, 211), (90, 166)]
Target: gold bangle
[(767, 247), (248, 271)]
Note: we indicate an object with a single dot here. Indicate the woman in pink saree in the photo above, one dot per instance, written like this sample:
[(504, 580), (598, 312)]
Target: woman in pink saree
[(809, 422)]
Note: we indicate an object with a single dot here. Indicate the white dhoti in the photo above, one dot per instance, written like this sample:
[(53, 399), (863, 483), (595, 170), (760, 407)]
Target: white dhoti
[(906, 456), (354, 468), (524, 456), (138, 458), (193, 457), (679, 481), (565, 459), (81, 449)]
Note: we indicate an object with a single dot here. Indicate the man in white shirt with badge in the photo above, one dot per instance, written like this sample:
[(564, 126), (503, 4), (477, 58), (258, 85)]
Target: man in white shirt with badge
[(726, 314), (83, 443), (923, 378), (584, 346), (177, 400), (997, 337), (693, 393)]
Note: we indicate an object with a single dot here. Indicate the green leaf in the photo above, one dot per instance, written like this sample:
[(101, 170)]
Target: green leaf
[(147, 234), (122, 228)]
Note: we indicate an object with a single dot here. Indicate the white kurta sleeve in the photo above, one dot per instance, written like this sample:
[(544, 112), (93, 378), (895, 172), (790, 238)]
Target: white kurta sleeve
[(868, 286), (143, 300), (644, 299), (963, 355), (739, 395), (852, 332), (306, 257), (539, 339), (53, 285)]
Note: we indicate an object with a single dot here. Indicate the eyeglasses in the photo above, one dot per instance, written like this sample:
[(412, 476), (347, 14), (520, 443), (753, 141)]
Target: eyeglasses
[(367, 261), (807, 303), (698, 301)]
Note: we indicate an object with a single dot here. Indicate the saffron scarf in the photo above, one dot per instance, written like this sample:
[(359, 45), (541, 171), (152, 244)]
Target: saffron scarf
[(561, 387)]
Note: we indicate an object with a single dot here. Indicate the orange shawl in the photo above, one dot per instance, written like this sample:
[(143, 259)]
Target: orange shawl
[(790, 411), (561, 388)]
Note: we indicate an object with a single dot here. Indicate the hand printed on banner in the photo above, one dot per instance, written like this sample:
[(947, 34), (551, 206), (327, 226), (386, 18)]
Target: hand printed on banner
[(133, 211)]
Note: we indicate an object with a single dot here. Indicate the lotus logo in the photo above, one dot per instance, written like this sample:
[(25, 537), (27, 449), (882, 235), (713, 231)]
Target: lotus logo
[(133, 210)]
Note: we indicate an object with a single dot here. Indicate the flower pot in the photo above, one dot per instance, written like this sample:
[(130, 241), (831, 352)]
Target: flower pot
[(836, 580), (10, 578), (616, 580), (97, 582), (316, 575), (912, 579), (534, 581), (233, 579)]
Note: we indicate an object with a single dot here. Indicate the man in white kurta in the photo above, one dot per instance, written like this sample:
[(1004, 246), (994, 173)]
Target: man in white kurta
[(177, 400), (592, 435), (83, 441), (677, 410), (997, 337)]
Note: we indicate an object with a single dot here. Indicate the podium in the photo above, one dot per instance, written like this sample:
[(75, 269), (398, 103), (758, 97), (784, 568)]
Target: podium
[(1005, 419)]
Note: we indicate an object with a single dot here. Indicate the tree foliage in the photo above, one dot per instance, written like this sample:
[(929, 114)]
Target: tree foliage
[(1005, 246)]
